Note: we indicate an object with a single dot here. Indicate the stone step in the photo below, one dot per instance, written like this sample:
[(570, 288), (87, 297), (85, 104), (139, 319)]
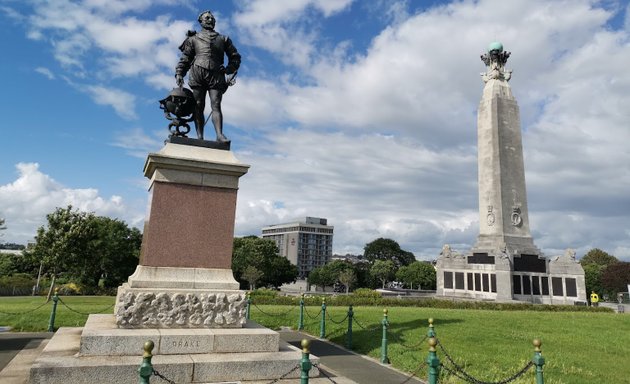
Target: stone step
[(60, 363), (101, 337)]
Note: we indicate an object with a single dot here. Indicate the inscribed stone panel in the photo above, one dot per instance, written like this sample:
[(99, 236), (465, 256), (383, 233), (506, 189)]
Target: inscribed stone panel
[(545, 285), (493, 283), (448, 280), (516, 281), (459, 280), (486, 284), (477, 282), (571, 287), (536, 285), (527, 285), (556, 284), (469, 278)]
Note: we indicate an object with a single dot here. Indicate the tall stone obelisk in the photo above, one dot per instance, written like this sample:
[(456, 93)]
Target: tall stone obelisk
[(504, 264), (503, 214)]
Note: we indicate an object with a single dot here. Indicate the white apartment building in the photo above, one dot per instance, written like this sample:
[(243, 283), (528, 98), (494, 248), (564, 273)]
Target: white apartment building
[(306, 243)]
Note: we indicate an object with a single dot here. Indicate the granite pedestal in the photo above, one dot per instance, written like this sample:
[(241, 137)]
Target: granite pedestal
[(182, 296)]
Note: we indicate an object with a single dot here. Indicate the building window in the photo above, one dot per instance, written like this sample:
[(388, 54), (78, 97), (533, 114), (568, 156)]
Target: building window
[(448, 280)]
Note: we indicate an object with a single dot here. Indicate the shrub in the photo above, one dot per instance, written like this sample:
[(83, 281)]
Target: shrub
[(366, 293), (264, 292), (70, 289)]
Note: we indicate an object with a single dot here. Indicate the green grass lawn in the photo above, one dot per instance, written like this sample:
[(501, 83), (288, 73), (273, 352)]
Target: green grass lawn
[(579, 347)]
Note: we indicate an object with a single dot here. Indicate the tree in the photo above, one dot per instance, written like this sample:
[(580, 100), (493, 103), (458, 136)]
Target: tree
[(383, 270), (616, 277), (262, 254), (252, 275), (387, 249), (598, 257), (86, 248), (116, 249), (593, 278), (63, 246), (417, 273), (322, 276), (2, 226), (347, 278)]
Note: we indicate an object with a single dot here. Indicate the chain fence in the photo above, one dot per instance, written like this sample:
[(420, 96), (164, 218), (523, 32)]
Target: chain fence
[(169, 381), (285, 375), (323, 372), (309, 315), (25, 312), (161, 376), (413, 374), (379, 326), (83, 313), (413, 347), (459, 372), (274, 314), (335, 321)]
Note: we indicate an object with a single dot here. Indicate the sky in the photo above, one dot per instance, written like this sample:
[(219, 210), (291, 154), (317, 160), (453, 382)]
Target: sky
[(361, 112)]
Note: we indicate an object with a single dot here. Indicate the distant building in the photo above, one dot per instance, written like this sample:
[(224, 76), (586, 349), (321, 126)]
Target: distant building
[(354, 259), (306, 243)]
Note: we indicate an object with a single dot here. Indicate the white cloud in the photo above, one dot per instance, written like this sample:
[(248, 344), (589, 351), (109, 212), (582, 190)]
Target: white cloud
[(383, 141), (124, 103), (413, 83), (46, 72), (26, 201)]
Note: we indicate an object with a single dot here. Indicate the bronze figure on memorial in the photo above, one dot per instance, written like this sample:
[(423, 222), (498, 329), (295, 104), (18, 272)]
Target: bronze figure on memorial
[(203, 55)]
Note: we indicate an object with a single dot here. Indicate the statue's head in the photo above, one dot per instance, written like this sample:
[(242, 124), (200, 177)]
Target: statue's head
[(206, 20)]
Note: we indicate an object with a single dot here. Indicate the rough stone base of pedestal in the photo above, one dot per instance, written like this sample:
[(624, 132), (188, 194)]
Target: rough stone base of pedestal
[(61, 363), (179, 308)]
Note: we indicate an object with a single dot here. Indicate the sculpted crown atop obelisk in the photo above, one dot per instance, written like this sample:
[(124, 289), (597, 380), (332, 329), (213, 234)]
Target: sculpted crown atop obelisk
[(495, 60)]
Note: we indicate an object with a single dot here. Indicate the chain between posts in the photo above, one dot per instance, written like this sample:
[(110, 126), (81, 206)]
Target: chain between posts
[(414, 373), (323, 372), (273, 314), (469, 378), (83, 313), (337, 322), (309, 315), (23, 313)]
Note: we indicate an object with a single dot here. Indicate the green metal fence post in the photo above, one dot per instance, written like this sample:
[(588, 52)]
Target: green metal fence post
[(349, 333), (51, 322), (249, 303), (385, 323), (322, 324), (301, 321), (305, 363), (431, 332), (433, 362), (146, 369), (538, 361)]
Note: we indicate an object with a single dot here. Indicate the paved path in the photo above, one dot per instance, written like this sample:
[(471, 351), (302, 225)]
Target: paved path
[(12, 343), (355, 367)]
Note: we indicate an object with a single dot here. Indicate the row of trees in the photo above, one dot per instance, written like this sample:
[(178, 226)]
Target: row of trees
[(385, 262), (604, 273), (256, 263)]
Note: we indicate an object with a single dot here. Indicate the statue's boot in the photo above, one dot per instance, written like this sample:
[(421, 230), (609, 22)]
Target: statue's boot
[(221, 138)]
